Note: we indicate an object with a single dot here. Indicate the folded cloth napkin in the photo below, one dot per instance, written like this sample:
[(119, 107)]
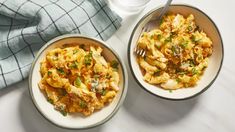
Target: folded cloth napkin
[(25, 25)]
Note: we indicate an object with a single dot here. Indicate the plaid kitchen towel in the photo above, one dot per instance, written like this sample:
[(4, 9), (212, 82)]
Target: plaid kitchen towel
[(25, 25)]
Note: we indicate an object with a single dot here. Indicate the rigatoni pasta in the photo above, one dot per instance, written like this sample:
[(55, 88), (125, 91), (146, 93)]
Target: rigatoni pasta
[(176, 54), (78, 79)]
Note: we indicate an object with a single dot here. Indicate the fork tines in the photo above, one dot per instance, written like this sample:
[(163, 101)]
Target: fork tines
[(139, 51)]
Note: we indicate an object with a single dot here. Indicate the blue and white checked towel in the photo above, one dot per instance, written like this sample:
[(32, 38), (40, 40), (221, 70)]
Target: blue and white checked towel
[(25, 25)]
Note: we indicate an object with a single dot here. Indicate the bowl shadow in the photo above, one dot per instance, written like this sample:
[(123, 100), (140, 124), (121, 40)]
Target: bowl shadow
[(10, 88), (154, 110), (32, 120)]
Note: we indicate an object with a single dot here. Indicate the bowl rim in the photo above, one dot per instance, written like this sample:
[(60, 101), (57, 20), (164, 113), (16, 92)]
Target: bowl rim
[(123, 68), (129, 54)]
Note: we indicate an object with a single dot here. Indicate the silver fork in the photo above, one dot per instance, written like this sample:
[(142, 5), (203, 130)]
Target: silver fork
[(151, 25)]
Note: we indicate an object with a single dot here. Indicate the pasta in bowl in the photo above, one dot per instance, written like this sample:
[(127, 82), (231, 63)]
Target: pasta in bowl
[(176, 54), (183, 55), (76, 79), (77, 82)]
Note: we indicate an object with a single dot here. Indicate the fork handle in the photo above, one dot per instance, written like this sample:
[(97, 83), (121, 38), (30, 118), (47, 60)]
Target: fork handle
[(164, 10)]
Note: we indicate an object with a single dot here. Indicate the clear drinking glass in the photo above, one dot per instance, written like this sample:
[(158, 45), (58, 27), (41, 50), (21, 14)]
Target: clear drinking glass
[(129, 6)]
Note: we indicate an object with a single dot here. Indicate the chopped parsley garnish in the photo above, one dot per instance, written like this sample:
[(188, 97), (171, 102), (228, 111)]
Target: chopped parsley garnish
[(190, 28), (77, 82), (194, 39), (103, 92), (63, 112), (194, 71), (61, 71), (177, 80), (159, 36), (175, 49), (184, 44), (192, 63), (74, 65), (49, 73), (50, 100), (157, 72), (200, 57), (168, 39), (82, 104), (114, 64), (158, 46), (170, 91), (88, 58), (75, 51)]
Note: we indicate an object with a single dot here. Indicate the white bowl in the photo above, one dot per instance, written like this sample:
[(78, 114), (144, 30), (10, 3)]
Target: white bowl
[(75, 121), (215, 60)]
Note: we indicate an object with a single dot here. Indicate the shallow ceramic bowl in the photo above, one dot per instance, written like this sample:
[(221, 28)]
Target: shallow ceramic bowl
[(215, 60), (75, 121)]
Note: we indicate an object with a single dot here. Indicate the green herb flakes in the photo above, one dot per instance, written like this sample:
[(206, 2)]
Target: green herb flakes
[(82, 104), (175, 49), (49, 73), (74, 65), (103, 92), (157, 72), (168, 39), (63, 112), (61, 71), (178, 80), (194, 39), (194, 71), (190, 28), (78, 82), (114, 64), (50, 100), (159, 36), (184, 44), (88, 59), (75, 51)]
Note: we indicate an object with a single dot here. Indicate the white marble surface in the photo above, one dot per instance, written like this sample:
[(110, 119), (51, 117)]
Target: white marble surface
[(211, 111)]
